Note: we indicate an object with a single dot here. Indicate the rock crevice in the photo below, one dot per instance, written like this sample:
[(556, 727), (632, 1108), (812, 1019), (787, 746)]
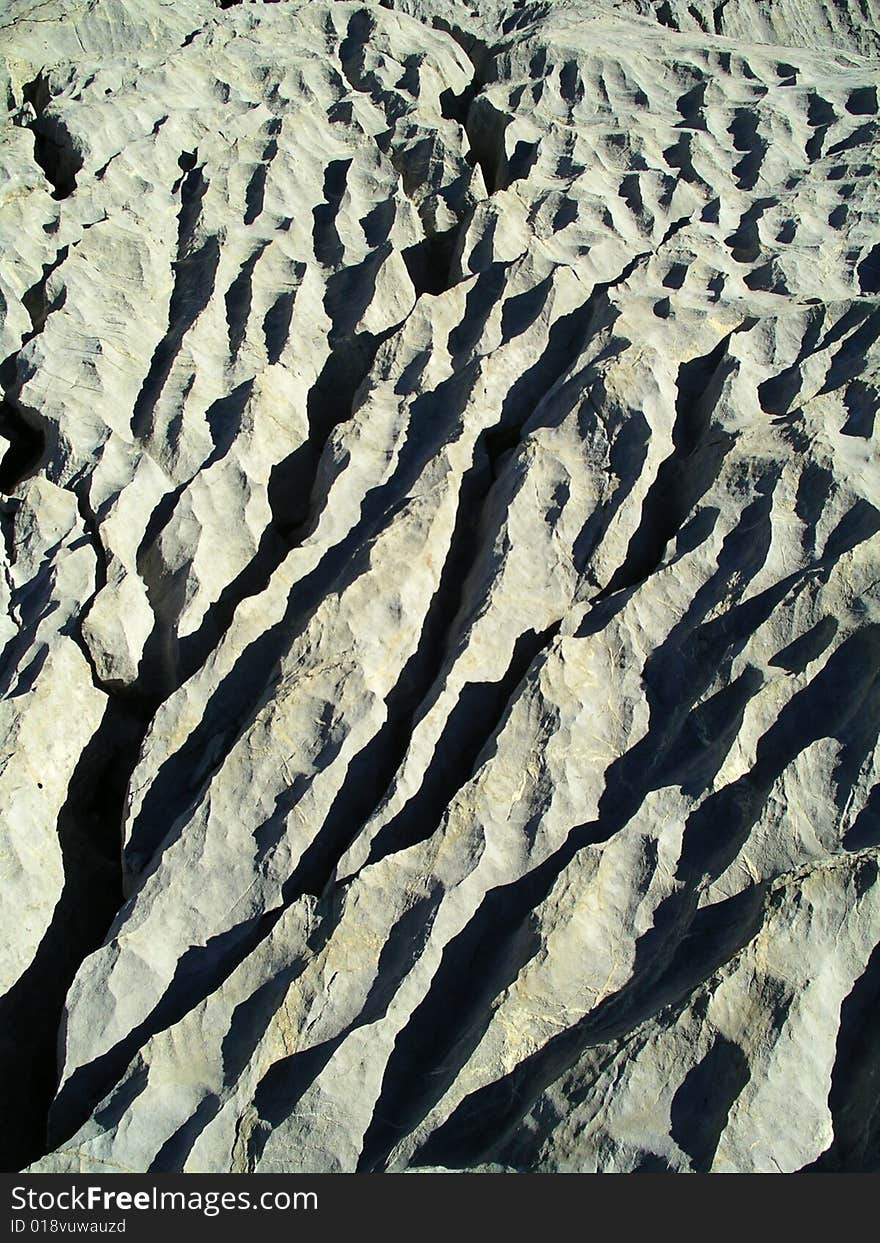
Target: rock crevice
[(440, 521)]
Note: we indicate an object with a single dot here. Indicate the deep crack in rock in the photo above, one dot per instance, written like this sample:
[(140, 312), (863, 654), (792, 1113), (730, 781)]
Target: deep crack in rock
[(441, 675)]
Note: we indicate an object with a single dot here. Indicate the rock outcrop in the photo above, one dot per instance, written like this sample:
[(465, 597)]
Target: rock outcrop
[(441, 681)]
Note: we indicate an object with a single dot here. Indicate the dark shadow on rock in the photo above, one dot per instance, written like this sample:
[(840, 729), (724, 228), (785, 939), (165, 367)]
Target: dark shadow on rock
[(854, 1099), (89, 831), (702, 1103)]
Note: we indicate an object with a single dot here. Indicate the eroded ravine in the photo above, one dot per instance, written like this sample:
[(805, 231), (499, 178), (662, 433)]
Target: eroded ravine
[(440, 550)]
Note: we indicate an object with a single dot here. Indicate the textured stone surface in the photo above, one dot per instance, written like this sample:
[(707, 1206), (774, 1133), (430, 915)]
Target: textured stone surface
[(440, 589)]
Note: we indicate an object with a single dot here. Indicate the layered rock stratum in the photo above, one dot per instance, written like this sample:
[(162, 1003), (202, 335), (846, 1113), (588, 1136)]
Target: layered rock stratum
[(440, 586)]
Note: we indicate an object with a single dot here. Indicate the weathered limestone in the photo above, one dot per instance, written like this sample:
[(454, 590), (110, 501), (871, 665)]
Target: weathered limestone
[(440, 594)]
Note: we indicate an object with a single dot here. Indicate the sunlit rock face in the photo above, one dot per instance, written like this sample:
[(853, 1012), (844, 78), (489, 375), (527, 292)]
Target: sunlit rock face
[(440, 586)]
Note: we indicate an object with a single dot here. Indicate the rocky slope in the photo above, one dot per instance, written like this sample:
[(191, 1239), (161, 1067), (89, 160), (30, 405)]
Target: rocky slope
[(442, 547)]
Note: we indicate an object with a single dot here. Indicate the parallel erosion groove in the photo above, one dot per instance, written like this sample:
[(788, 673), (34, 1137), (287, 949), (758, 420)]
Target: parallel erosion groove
[(88, 836), (440, 586)]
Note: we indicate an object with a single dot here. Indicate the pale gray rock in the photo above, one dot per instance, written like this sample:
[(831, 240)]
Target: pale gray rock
[(440, 592)]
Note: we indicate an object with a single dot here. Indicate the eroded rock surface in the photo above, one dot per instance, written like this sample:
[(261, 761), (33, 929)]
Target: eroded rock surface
[(440, 588)]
